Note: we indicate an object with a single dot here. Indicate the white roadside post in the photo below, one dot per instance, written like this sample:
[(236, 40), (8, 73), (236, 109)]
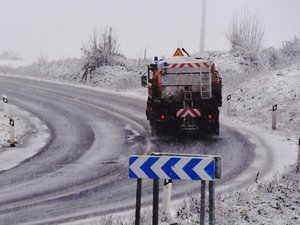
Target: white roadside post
[(167, 195), (12, 132), (6, 107), (11, 121), (298, 161), (274, 109), (228, 105)]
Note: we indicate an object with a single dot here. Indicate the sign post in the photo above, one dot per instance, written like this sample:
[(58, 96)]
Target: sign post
[(138, 201), (202, 203), (155, 201), (274, 109), (211, 190), (176, 167)]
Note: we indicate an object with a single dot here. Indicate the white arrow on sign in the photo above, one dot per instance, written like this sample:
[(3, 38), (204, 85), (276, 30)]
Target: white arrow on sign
[(178, 168), (172, 167)]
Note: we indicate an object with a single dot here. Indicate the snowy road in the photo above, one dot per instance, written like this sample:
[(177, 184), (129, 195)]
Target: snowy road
[(83, 169)]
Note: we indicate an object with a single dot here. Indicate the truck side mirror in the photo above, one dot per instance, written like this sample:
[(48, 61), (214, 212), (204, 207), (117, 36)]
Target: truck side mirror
[(144, 80)]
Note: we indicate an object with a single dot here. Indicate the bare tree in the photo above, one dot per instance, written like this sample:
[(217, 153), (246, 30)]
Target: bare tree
[(99, 51), (246, 32)]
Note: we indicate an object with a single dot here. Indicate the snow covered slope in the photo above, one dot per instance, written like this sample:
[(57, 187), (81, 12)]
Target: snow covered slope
[(254, 92)]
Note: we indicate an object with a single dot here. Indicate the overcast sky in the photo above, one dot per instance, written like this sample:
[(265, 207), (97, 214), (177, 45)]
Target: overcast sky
[(58, 28)]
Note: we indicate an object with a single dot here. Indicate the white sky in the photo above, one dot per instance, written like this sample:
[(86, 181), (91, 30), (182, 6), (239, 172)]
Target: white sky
[(58, 28)]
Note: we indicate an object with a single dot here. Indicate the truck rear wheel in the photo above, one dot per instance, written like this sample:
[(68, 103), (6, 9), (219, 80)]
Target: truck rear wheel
[(216, 128), (217, 132), (154, 128), (157, 129)]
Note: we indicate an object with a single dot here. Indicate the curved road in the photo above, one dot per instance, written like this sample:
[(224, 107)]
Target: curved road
[(82, 171)]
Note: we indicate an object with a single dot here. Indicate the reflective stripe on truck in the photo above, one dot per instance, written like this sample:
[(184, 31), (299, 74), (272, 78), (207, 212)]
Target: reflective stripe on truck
[(181, 113)]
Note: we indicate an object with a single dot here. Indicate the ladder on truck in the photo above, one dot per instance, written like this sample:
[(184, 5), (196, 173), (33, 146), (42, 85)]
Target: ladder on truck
[(188, 123), (205, 85), (188, 100)]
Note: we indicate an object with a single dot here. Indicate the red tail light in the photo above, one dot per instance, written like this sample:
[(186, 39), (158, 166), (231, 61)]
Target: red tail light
[(210, 116), (162, 117)]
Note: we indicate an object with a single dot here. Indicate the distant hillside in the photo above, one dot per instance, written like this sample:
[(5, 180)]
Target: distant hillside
[(9, 55)]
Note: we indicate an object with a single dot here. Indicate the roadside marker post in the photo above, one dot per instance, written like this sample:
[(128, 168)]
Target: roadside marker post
[(167, 195), (11, 121), (298, 160), (6, 107), (274, 109), (228, 104), (12, 132), (175, 167)]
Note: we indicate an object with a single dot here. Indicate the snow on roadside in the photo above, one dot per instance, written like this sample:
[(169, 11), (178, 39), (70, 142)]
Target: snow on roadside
[(274, 202), (252, 100), (14, 63), (31, 135), (124, 74), (21, 128), (255, 91)]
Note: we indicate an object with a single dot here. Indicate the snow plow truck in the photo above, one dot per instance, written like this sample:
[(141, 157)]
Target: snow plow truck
[(184, 95)]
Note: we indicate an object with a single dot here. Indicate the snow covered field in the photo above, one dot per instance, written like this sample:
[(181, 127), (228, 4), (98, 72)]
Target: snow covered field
[(14, 63)]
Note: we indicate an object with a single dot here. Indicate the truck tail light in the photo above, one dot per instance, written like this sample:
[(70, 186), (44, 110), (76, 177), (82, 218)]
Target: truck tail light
[(162, 117)]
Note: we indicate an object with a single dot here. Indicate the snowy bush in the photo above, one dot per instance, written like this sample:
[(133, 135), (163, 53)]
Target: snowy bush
[(271, 58), (245, 35), (291, 49), (99, 51)]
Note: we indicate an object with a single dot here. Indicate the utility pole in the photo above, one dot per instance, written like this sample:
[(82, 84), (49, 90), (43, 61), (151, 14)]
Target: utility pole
[(202, 32), (145, 53)]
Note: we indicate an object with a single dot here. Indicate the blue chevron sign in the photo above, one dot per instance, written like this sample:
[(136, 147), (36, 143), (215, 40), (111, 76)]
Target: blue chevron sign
[(172, 167)]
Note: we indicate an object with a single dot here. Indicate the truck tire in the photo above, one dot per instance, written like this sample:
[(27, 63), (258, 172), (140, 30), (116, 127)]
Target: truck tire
[(217, 132), (153, 129), (156, 129), (217, 129)]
